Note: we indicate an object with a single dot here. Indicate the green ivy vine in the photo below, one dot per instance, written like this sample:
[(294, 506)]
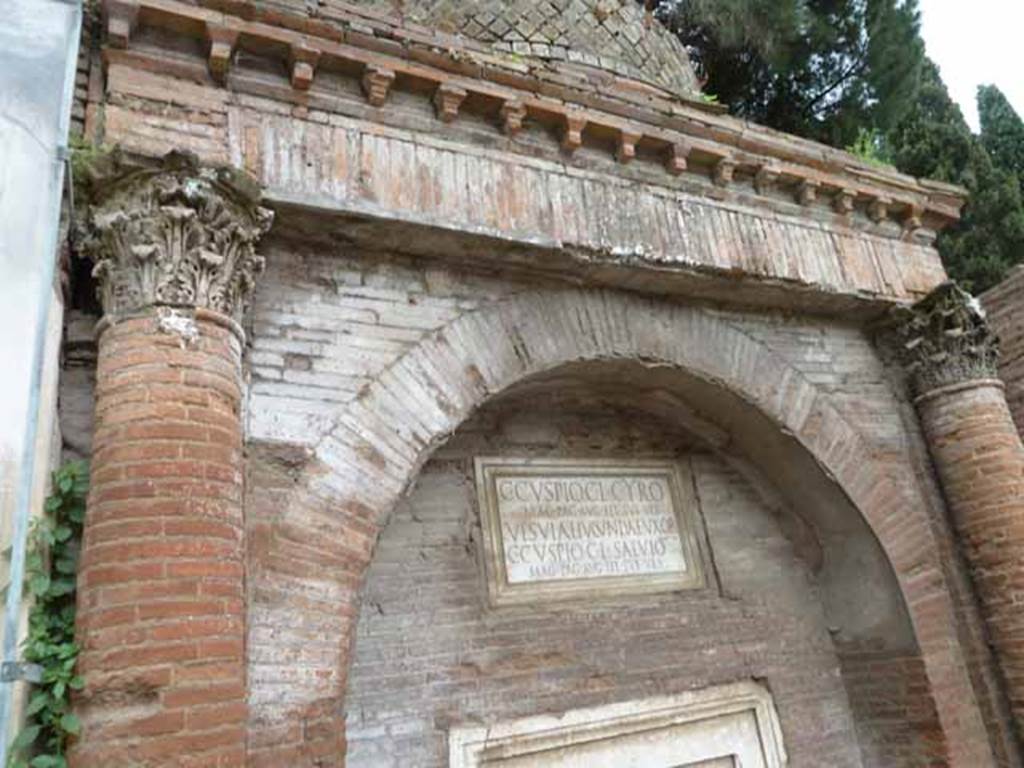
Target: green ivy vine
[(51, 563)]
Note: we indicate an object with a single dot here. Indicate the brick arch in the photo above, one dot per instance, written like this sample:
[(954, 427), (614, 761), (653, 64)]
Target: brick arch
[(305, 581)]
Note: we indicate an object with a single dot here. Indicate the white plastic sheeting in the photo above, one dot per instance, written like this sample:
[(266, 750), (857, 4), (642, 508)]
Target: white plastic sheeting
[(38, 52)]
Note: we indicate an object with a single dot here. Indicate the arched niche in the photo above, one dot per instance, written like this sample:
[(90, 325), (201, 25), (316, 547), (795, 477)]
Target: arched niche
[(796, 577), (314, 550)]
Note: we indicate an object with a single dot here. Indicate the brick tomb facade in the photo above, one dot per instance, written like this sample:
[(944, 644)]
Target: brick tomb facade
[(391, 251)]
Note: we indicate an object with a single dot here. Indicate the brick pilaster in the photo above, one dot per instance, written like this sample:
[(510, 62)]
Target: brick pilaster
[(161, 609), (978, 455)]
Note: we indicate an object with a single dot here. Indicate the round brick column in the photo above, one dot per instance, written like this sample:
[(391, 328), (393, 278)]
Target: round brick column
[(980, 461), (161, 609), (979, 458)]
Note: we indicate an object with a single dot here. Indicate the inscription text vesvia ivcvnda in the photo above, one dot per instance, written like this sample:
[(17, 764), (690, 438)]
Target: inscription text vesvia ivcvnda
[(560, 528), (587, 526)]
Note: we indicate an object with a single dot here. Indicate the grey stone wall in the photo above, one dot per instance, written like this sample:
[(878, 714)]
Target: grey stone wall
[(76, 393)]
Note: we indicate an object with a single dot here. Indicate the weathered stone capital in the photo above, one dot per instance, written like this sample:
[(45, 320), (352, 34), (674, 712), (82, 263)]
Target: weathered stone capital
[(944, 339), (179, 235)]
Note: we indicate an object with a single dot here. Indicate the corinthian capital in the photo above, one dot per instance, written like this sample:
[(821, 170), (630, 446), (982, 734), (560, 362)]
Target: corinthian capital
[(180, 235), (944, 339)]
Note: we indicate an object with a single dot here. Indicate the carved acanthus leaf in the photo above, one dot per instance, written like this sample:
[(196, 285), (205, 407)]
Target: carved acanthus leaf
[(180, 234), (944, 339)]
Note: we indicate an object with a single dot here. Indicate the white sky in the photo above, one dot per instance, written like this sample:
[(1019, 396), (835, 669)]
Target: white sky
[(977, 42)]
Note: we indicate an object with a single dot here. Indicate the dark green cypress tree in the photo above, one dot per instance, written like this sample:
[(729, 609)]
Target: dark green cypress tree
[(1002, 131), (839, 70), (823, 69), (989, 239), (933, 140)]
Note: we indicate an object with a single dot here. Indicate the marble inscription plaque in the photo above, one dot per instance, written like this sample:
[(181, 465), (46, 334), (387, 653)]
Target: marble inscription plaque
[(561, 528), (727, 726)]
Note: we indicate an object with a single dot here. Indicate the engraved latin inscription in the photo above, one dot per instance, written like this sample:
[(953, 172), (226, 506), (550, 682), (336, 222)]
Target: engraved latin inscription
[(586, 526), (557, 528)]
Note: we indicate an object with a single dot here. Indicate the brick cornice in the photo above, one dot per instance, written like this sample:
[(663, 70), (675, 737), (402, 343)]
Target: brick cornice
[(176, 235), (642, 120)]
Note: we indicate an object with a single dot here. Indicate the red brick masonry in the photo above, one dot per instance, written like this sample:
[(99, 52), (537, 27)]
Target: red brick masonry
[(161, 611), (1004, 305), (980, 461)]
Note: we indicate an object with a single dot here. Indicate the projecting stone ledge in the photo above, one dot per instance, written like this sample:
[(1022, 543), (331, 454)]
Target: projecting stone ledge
[(416, 149), (482, 206), (433, 196)]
